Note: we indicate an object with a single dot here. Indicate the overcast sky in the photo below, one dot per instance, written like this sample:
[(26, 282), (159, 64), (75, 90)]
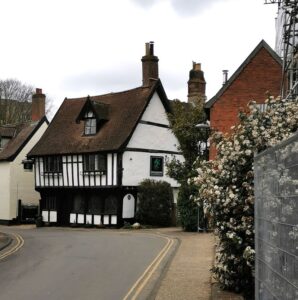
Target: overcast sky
[(89, 47)]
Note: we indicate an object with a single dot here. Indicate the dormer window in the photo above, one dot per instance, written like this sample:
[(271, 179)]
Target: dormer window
[(90, 123), (94, 114)]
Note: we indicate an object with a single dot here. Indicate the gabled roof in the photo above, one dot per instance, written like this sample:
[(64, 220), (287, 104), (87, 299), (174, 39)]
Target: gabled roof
[(22, 134), (261, 45), (100, 110), (65, 135)]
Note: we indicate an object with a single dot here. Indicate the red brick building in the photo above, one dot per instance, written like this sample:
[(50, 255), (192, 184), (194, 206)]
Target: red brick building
[(260, 73)]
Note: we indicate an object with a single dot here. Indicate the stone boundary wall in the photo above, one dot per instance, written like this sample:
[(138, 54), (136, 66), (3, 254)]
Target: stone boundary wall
[(276, 221)]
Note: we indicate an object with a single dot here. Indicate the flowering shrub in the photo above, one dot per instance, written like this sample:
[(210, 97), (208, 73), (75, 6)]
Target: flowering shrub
[(226, 190)]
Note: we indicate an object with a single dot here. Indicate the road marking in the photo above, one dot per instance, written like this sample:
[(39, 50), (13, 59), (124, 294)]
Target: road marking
[(19, 244), (139, 284)]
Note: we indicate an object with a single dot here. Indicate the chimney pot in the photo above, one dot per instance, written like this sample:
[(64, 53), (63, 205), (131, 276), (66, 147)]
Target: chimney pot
[(151, 48), (197, 67), (38, 91), (225, 76), (147, 49)]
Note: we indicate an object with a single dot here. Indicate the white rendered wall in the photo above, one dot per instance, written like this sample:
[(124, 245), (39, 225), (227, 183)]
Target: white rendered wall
[(136, 167), (147, 136), (153, 137), (155, 111), (4, 190), (136, 162), (22, 185)]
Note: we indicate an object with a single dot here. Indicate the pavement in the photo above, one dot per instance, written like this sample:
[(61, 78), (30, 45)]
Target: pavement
[(186, 274)]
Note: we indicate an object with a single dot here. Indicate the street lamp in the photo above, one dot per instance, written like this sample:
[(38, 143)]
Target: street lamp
[(203, 144), (204, 151)]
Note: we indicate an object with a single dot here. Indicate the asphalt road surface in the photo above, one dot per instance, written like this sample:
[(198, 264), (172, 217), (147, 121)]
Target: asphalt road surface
[(62, 264)]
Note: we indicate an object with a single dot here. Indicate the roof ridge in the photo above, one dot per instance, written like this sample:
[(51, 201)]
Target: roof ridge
[(111, 93), (253, 53)]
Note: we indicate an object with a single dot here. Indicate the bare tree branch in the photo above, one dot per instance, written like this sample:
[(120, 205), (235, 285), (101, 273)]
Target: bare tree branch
[(15, 101)]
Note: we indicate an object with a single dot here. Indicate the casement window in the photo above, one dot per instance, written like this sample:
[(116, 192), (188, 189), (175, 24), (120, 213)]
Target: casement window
[(52, 164), (95, 163), (156, 166), (90, 124)]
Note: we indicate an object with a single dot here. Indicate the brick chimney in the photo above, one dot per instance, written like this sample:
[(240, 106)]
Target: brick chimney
[(38, 105), (196, 83), (149, 65)]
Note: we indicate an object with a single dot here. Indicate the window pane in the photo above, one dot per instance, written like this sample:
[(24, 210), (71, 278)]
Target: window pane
[(93, 126), (102, 163), (53, 164), (95, 162), (92, 122), (90, 126), (87, 130), (92, 162)]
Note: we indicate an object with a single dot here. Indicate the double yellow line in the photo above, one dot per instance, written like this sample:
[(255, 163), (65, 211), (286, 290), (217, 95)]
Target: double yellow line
[(19, 244), (137, 288)]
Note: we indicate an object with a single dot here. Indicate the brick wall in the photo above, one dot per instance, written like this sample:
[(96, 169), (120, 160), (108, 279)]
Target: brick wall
[(263, 73)]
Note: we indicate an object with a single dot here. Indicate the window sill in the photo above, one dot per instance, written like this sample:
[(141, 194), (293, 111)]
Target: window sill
[(87, 173), (55, 174), (156, 174)]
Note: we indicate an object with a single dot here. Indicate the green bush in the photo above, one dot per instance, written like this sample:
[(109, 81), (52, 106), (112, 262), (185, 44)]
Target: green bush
[(187, 208), (155, 203)]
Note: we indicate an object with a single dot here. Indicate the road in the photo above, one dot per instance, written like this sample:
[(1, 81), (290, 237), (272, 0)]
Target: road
[(62, 263)]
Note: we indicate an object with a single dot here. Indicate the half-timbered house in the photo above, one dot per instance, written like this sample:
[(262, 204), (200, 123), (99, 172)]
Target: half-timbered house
[(97, 150)]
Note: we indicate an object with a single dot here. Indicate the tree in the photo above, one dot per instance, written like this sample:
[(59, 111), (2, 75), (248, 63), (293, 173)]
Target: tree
[(226, 188), (184, 119), (15, 101), (155, 203)]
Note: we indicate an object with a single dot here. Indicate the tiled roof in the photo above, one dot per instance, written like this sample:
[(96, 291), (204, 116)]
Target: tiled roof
[(261, 45), (21, 135), (66, 136)]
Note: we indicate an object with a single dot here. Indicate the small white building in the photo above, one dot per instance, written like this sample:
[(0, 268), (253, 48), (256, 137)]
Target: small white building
[(17, 186), (97, 150)]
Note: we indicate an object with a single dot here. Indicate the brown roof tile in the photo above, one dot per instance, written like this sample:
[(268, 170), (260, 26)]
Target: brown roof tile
[(22, 133), (66, 136)]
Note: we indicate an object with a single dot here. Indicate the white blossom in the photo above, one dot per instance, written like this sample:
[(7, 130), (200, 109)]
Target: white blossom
[(225, 185)]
